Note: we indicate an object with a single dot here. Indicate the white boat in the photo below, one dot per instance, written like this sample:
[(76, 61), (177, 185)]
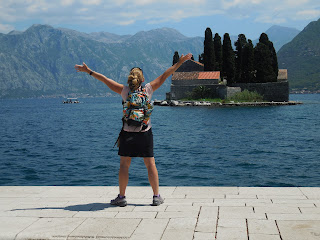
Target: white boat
[(71, 100)]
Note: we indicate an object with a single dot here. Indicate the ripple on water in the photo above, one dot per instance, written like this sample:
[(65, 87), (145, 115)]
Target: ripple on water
[(72, 145)]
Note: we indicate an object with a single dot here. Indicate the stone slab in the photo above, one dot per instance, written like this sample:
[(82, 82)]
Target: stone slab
[(311, 192), (209, 212), (283, 191), (277, 209), (50, 228), (239, 212), (177, 214), (232, 223), (50, 212), (10, 227), (297, 230), (150, 229), (209, 191), (207, 225), (204, 236), (140, 215), (264, 237), (103, 228), (231, 234), (312, 210), (263, 227), (289, 217), (180, 228)]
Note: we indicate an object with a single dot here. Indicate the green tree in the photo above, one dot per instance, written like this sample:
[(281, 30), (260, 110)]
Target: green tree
[(218, 51), (228, 68), (248, 70), (208, 56), (175, 58), (263, 64), (266, 63), (201, 92), (239, 44)]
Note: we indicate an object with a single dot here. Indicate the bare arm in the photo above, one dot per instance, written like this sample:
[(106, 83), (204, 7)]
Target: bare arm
[(155, 84), (113, 85)]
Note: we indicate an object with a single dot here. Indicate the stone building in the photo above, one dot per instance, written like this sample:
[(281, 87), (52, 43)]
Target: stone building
[(191, 75), (271, 91), (191, 66)]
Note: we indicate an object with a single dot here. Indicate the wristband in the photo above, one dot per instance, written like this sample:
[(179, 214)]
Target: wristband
[(91, 73)]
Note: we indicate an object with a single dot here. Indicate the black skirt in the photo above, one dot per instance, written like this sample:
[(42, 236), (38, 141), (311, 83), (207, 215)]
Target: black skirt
[(136, 144)]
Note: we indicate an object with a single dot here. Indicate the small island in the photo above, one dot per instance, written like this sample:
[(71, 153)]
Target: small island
[(221, 104), (246, 76)]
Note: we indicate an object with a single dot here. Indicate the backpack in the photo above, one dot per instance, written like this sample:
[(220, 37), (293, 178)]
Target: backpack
[(137, 108)]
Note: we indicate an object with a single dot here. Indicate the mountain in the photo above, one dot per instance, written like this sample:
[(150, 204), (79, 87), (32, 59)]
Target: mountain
[(40, 61), (279, 36), (301, 57)]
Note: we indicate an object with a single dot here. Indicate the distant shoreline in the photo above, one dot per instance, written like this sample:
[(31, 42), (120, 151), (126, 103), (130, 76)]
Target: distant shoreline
[(175, 103)]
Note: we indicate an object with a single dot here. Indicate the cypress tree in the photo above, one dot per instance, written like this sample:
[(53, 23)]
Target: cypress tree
[(274, 61), (208, 56), (248, 70), (273, 55), (175, 58), (263, 64), (228, 68), (218, 52), (239, 44)]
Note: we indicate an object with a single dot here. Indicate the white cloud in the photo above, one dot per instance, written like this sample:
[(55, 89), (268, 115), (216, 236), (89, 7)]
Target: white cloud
[(5, 28), (66, 2), (91, 2), (271, 19), (37, 6), (129, 22), (308, 14), (126, 12)]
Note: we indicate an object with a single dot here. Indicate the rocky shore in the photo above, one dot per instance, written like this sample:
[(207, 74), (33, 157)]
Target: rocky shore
[(220, 104)]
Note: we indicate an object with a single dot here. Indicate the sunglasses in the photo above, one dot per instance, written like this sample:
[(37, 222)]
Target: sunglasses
[(137, 68)]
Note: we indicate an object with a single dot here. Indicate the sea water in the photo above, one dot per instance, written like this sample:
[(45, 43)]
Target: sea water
[(45, 142)]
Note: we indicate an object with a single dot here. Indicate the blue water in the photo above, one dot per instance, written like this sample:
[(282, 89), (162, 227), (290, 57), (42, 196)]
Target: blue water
[(45, 142)]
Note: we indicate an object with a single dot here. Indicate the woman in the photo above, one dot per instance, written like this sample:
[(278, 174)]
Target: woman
[(136, 142)]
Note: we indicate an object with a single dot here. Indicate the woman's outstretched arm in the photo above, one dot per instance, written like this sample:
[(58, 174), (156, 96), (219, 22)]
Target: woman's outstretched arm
[(160, 80), (113, 85)]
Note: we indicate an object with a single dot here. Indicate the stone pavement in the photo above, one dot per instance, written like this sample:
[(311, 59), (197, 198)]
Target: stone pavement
[(255, 213)]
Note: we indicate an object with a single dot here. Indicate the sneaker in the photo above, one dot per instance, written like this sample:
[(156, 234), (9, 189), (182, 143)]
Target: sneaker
[(157, 201), (121, 202)]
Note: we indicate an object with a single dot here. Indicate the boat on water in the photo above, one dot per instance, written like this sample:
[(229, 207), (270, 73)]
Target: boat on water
[(71, 100)]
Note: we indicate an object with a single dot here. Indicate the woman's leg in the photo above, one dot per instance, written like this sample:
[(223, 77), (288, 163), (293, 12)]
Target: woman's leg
[(124, 174), (152, 174)]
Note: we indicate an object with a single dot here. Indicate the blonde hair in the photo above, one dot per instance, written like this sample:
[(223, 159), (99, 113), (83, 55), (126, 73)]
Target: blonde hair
[(135, 78)]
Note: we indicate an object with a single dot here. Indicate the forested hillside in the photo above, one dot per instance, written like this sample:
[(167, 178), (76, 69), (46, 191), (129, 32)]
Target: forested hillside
[(40, 61), (302, 57)]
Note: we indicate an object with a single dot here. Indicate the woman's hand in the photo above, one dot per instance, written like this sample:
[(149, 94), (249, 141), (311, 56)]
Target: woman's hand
[(82, 68), (183, 58), (155, 84)]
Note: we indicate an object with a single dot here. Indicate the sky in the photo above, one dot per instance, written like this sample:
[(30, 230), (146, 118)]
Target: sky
[(190, 17)]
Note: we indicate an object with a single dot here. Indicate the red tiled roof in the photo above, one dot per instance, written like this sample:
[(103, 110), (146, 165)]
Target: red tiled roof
[(209, 75), (195, 75), (185, 76)]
